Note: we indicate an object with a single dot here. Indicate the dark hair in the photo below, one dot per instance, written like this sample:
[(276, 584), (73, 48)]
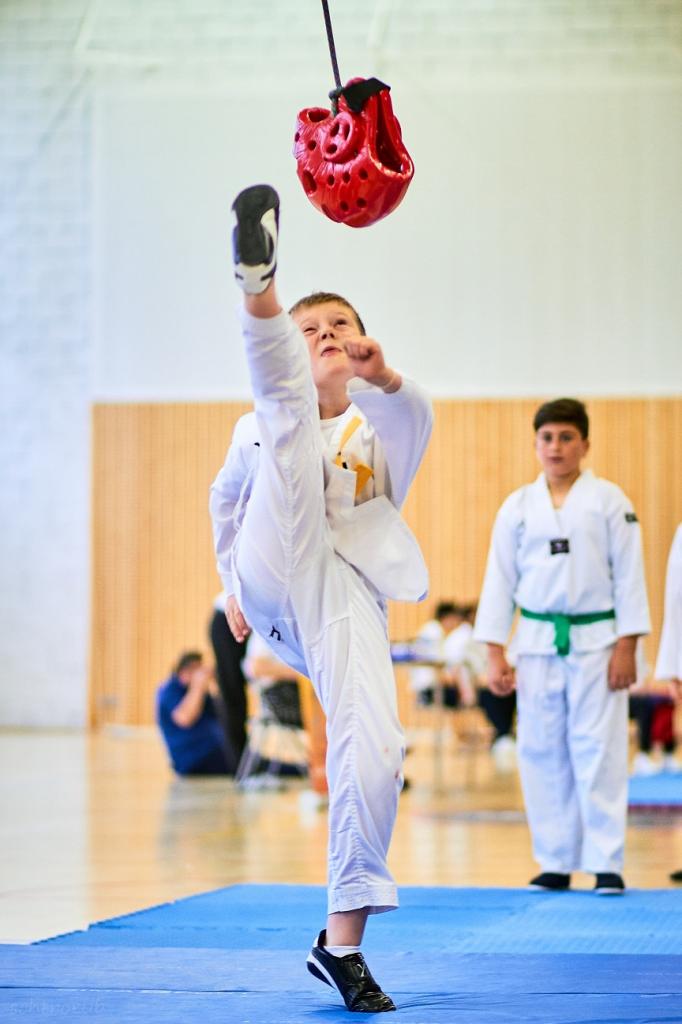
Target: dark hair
[(563, 410), (187, 659), (319, 298), (445, 608)]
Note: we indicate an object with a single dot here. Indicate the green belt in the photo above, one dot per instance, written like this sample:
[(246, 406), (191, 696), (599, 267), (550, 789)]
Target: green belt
[(563, 623)]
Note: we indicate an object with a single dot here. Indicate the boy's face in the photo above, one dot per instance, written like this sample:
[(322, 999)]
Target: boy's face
[(194, 672), (325, 328), (560, 448), (450, 622)]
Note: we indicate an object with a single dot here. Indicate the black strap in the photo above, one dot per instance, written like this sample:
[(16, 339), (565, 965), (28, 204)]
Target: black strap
[(357, 94)]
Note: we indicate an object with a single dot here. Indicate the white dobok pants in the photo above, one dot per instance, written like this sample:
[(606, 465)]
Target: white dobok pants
[(319, 614), (572, 754)]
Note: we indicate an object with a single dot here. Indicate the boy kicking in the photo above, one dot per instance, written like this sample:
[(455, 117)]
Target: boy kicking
[(310, 544), (567, 552)]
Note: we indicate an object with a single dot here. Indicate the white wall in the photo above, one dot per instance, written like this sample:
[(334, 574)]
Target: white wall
[(534, 253), (537, 250), (45, 365)]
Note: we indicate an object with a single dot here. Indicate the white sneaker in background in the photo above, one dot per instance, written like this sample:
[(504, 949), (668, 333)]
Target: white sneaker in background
[(671, 764), (503, 752), (643, 765)]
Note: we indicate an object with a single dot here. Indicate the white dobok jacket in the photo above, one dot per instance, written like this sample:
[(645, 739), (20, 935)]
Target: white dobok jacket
[(669, 661), (582, 558), (368, 530)]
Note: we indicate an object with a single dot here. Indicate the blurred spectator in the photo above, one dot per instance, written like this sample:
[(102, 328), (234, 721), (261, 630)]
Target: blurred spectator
[(187, 716), (429, 644), (277, 745), (654, 713), (466, 660), (459, 664)]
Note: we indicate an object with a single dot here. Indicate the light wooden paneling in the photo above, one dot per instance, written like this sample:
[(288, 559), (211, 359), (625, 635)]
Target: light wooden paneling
[(154, 576)]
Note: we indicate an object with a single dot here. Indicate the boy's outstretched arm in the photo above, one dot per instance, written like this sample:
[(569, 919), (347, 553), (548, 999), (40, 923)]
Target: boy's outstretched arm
[(397, 408), (265, 305)]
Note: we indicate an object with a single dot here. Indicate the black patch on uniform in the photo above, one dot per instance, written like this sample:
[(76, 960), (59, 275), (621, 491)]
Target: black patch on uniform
[(559, 546), (631, 517), (257, 444), (276, 633)]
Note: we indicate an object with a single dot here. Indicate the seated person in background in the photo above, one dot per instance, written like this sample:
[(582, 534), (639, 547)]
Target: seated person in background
[(466, 660), (187, 716), (277, 744), (429, 644), (448, 638)]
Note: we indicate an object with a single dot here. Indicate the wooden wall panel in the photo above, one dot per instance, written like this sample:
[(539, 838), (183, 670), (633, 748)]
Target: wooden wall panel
[(154, 576)]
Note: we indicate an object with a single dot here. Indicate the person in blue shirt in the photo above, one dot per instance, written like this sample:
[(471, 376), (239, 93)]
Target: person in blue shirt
[(187, 716)]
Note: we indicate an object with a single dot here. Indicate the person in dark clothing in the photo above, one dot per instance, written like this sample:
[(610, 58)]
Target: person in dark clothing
[(188, 718), (229, 655), (654, 714)]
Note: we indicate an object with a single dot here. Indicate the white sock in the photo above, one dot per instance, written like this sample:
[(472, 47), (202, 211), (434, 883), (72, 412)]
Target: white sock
[(342, 950)]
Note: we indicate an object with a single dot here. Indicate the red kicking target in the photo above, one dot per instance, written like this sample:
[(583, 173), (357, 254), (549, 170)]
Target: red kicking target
[(352, 161)]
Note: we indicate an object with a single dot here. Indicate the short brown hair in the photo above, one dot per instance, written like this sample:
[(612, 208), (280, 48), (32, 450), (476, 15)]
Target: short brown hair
[(188, 659), (320, 298), (563, 410)]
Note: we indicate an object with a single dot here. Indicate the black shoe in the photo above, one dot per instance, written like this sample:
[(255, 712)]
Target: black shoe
[(609, 884), (550, 881), (254, 239), (350, 975), (676, 876)]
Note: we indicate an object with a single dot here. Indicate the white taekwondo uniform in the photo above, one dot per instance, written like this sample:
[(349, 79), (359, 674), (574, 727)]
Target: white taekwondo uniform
[(669, 660), (311, 562), (578, 560)]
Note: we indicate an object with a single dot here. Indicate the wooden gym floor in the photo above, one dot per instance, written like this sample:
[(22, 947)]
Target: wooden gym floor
[(93, 826)]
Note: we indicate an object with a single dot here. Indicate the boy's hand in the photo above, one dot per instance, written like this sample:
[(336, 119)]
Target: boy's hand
[(501, 676), (622, 668), (239, 627), (676, 689), (367, 361)]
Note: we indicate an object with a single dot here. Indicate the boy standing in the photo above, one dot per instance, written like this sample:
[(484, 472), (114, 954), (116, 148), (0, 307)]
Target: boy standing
[(566, 551), (310, 543)]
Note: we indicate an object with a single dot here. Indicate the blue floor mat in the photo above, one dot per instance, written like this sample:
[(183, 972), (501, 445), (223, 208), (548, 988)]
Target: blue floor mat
[(662, 790), (281, 917), (161, 986), (450, 956)]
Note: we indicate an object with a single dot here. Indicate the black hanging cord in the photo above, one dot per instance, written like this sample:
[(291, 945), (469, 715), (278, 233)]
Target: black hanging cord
[(332, 53), (357, 94)]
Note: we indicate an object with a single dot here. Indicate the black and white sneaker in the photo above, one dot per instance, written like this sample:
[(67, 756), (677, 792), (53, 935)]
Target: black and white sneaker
[(351, 976), (254, 239), (550, 881), (609, 884)]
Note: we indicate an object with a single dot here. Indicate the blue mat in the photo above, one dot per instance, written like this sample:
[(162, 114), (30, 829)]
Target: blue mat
[(485, 956), (662, 790), (279, 917)]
